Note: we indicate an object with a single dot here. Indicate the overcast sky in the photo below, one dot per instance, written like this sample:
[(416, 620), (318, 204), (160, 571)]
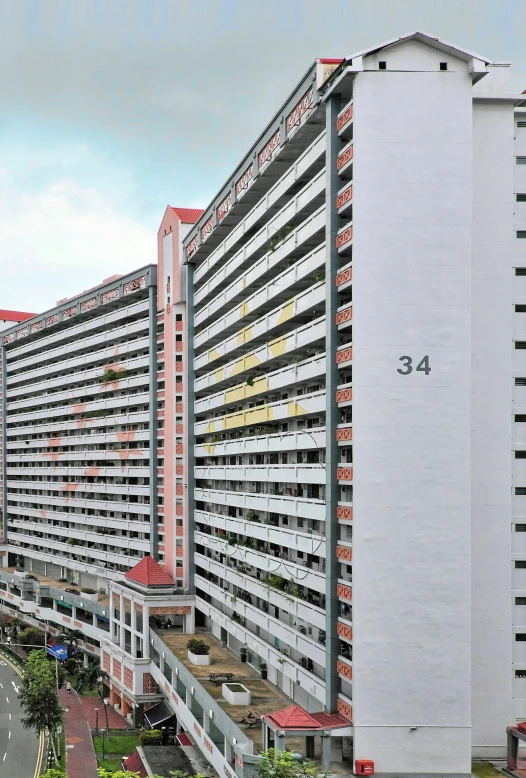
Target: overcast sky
[(111, 109)]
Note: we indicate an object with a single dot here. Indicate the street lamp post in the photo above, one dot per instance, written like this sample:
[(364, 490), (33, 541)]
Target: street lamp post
[(96, 721)]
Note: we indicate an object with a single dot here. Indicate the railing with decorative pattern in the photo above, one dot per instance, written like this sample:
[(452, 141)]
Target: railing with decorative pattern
[(344, 395), (344, 316), (345, 709), (344, 512), (344, 354), (343, 434), (344, 159), (344, 239), (344, 669), (344, 199), (344, 553), (344, 591), (344, 473), (344, 276), (344, 631), (344, 118)]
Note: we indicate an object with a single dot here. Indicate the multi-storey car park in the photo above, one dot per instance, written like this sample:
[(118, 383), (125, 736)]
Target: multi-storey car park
[(338, 509)]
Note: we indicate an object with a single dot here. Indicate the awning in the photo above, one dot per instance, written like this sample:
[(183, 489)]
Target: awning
[(60, 651), (158, 715)]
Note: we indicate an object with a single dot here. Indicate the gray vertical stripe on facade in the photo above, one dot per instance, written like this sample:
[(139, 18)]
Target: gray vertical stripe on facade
[(4, 445), (190, 425), (154, 513), (332, 643)]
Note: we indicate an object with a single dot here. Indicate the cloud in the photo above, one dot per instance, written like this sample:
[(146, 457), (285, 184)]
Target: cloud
[(63, 240)]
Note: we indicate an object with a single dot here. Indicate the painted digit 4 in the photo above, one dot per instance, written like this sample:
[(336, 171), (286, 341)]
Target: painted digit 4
[(422, 367)]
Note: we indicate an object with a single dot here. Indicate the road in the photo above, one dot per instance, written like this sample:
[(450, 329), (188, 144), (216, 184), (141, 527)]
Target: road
[(19, 747)]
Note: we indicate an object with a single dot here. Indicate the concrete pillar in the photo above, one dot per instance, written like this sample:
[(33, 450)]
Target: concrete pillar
[(114, 698), (121, 622), (133, 629), (279, 741), (189, 622), (206, 722), (325, 752), (189, 699), (85, 660), (229, 751), (125, 708), (145, 632)]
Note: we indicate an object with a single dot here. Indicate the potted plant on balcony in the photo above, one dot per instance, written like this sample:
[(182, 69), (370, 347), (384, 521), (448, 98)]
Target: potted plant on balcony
[(236, 694), (90, 594), (198, 652), (263, 669), (243, 653)]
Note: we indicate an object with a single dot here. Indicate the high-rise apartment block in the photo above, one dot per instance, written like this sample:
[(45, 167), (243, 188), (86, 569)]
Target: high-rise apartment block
[(310, 414)]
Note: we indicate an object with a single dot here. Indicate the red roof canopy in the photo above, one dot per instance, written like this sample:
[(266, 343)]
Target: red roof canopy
[(135, 764), (148, 572), (16, 316), (188, 215), (295, 718)]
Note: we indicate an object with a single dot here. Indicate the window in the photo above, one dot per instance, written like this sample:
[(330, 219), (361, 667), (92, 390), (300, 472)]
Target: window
[(520, 381), (520, 455), (521, 124), (520, 417), (520, 673), (520, 528), (521, 197), (520, 160), (520, 271), (520, 637), (520, 309), (520, 564), (443, 66), (521, 233), (520, 344), (520, 600), (382, 66), (520, 490)]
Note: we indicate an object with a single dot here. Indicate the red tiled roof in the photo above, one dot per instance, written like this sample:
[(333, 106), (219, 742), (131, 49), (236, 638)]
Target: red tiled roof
[(188, 215), (135, 765), (328, 720), (295, 717), (15, 316), (149, 573)]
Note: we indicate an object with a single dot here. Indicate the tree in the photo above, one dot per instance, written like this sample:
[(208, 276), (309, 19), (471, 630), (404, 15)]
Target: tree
[(70, 638), (282, 764), (38, 696), (31, 636), (13, 628), (88, 677)]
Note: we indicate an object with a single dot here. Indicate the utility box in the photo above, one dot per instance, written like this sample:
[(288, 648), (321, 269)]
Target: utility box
[(364, 767)]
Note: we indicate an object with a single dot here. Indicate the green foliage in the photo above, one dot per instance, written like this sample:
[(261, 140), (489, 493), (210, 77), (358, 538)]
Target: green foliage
[(319, 275), (282, 764), (280, 236), (277, 582), (198, 647), (32, 636), (151, 737), (88, 677), (104, 773), (87, 590), (112, 375), (38, 694), (54, 772), (14, 627), (71, 639), (122, 742)]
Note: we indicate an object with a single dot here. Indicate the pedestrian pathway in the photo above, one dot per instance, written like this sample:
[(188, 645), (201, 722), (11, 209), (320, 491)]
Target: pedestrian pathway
[(81, 761), (115, 720)]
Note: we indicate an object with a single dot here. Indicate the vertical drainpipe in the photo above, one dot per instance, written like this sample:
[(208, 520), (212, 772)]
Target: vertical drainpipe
[(4, 446), (331, 408), (154, 513), (190, 427)]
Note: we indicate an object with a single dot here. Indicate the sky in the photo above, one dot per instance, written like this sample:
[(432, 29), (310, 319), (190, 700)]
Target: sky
[(112, 109)]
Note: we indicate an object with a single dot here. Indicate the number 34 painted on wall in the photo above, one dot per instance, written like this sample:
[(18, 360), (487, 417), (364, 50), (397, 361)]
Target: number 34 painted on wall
[(422, 367)]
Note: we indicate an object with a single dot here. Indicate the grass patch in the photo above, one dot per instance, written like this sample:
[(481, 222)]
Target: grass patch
[(485, 770), (110, 764), (117, 744), (62, 739)]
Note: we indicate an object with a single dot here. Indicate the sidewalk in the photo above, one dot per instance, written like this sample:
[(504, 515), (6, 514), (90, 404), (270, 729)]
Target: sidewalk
[(81, 761), (115, 720)]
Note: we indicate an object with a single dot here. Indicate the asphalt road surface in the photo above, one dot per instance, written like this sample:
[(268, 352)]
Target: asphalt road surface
[(19, 747)]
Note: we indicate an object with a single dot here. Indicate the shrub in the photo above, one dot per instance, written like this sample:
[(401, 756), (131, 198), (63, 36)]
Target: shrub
[(150, 737), (87, 590), (198, 647)]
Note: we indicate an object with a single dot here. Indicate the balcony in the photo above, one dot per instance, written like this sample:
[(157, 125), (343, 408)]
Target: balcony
[(296, 209), (289, 506), (260, 444), (304, 474), (81, 407), (262, 328), (106, 317), (292, 277), (344, 161), (344, 121), (344, 277), (111, 420), (262, 415), (288, 180)]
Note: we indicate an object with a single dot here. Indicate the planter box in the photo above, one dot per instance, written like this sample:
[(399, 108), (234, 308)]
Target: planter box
[(92, 597), (236, 697), (199, 659)]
